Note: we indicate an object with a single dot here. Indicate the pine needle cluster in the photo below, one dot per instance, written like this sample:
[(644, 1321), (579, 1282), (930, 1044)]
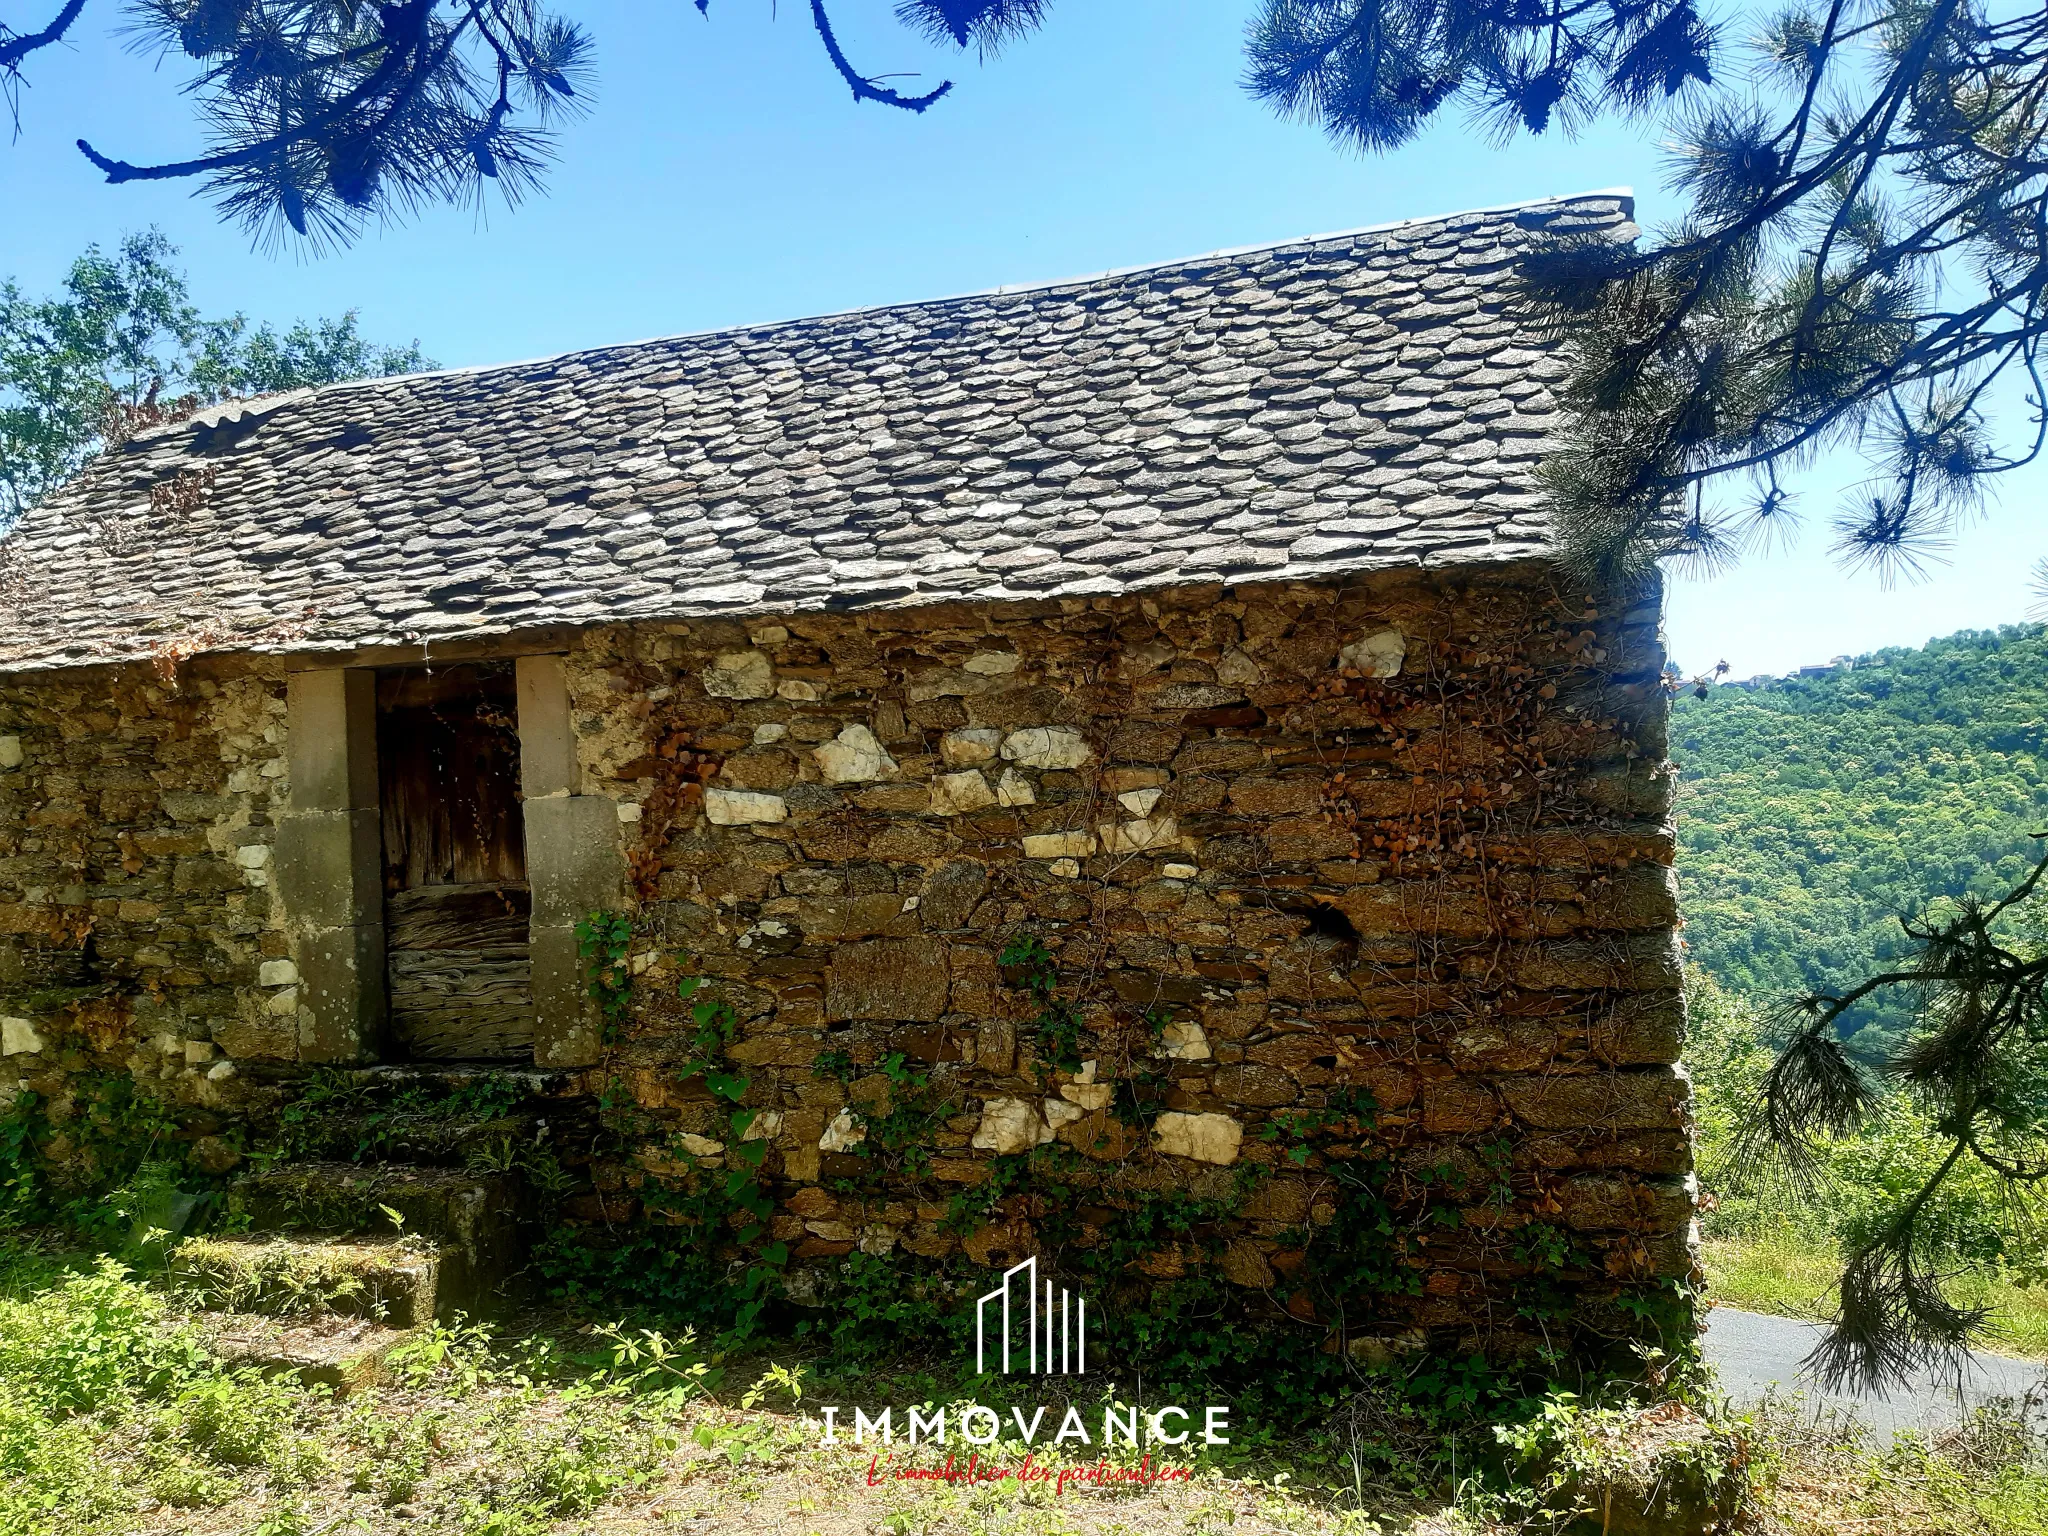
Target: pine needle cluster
[(1976, 1064)]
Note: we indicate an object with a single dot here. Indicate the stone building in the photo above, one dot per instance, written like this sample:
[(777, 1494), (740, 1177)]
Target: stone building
[(1095, 744)]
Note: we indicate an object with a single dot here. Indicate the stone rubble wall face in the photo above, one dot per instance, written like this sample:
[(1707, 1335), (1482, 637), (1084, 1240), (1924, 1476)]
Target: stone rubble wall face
[(841, 821), (890, 799), (138, 931)]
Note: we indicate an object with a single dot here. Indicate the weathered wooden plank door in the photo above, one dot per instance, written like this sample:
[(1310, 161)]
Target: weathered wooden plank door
[(456, 905)]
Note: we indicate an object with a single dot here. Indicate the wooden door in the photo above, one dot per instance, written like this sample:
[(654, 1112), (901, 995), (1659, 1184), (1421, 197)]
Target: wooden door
[(456, 903)]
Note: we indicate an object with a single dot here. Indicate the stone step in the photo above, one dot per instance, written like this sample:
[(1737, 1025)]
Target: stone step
[(486, 1115), (472, 1216), (497, 1144), (394, 1281), (537, 1085), (346, 1354)]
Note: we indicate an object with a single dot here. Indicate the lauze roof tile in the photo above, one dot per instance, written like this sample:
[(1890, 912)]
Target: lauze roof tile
[(1309, 409)]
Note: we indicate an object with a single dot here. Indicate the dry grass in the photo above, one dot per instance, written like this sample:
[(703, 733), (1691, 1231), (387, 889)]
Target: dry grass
[(1989, 1478)]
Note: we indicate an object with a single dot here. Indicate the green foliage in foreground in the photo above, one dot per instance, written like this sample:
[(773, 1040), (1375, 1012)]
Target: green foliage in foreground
[(114, 1418), (1812, 812), (110, 1402)]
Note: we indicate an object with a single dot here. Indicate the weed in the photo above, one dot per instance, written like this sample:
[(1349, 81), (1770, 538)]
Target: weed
[(239, 1419), (456, 1358)]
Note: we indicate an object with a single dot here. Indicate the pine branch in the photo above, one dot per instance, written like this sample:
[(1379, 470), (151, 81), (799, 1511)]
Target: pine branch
[(16, 46), (865, 88), (413, 18)]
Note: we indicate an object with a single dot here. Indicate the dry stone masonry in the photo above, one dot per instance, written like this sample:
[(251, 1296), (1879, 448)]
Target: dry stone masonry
[(1418, 849), (1101, 751)]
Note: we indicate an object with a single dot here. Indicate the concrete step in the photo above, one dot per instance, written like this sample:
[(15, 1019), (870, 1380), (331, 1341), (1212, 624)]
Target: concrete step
[(346, 1354), (394, 1281), (472, 1217)]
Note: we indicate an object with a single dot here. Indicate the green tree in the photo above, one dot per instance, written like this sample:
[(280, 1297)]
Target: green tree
[(122, 346), (1811, 810)]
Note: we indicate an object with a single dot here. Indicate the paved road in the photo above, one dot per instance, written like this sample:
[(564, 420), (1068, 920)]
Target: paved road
[(1753, 1352)]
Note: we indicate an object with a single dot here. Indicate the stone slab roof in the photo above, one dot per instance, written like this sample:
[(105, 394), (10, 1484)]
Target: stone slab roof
[(1310, 409)]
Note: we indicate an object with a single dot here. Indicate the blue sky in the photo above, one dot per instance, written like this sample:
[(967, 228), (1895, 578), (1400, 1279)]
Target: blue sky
[(726, 177)]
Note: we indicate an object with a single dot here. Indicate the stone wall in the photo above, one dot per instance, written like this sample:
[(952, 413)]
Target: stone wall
[(138, 936), (1283, 845), (1029, 918)]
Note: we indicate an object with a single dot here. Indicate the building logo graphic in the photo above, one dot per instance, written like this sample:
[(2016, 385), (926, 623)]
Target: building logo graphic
[(1059, 1324)]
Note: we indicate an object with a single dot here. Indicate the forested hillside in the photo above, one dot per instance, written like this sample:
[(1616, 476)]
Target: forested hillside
[(1813, 810)]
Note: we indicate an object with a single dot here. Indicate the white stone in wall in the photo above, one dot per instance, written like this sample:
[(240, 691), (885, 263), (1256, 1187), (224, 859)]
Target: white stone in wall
[(1088, 1095), (854, 757), (1010, 1125), (765, 1126), (945, 683), (955, 793), (285, 1003), (1014, 789), (10, 751), (1137, 836), (253, 855), (1180, 871), (1059, 845), (740, 675), (993, 663), (1139, 802), (769, 731), (1184, 1042), (798, 691), (1205, 1138), (199, 1052), (1046, 746), (277, 973), (18, 1037), (1059, 1112), (699, 1146), (740, 807), (844, 1132), (970, 748), (1377, 655)]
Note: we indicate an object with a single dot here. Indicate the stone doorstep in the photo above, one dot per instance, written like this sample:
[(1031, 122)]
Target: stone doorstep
[(346, 1354), (538, 1082), (428, 1139), (399, 1278)]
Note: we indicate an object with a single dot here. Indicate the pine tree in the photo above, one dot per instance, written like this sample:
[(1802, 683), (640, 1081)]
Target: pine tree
[(1861, 261)]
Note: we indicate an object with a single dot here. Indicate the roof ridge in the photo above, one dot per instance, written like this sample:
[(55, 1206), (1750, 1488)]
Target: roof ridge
[(232, 408)]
